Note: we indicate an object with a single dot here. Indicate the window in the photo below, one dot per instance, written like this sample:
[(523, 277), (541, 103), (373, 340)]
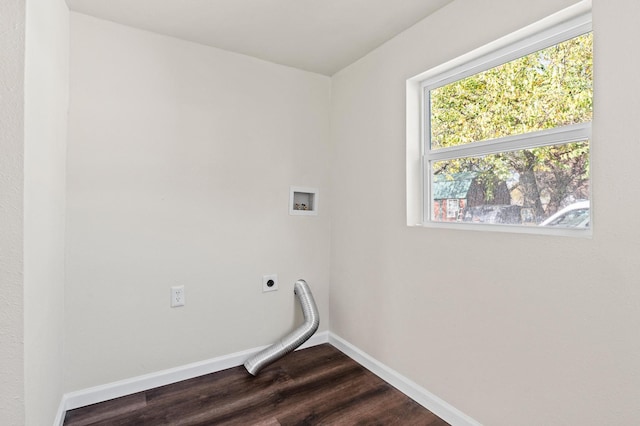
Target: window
[(506, 136)]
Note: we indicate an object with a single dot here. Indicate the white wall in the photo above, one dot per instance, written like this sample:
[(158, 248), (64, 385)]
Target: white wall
[(509, 328), (12, 13), (46, 105), (180, 158)]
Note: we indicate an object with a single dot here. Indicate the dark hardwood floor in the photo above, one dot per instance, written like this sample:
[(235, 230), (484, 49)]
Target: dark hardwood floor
[(315, 386)]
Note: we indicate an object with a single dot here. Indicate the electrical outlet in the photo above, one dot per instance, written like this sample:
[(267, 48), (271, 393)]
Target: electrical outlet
[(269, 282), (177, 296)]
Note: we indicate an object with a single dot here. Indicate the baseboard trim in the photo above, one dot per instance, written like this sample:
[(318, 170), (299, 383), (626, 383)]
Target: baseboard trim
[(59, 419), (125, 387), (419, 394)]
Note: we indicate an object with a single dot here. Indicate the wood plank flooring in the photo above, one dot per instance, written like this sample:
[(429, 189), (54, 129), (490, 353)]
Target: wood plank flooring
[(314, 386)]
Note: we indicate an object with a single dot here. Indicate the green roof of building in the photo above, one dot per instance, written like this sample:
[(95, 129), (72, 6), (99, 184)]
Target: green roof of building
[(452, 185)]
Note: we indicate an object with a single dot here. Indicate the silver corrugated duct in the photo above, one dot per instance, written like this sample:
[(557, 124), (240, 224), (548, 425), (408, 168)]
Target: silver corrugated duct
[(294, 339)]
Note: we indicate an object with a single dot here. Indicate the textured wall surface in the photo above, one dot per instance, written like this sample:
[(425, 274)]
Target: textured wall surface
[(12, 15), (511, 329), (180, 159), (46, 105)]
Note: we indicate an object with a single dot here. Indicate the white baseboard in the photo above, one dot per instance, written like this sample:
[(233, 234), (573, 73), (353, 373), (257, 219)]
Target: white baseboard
[(419, 394), (59, 420), (120, 388)]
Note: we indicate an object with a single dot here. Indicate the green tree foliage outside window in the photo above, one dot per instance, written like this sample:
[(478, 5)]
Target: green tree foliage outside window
[(543, 90)]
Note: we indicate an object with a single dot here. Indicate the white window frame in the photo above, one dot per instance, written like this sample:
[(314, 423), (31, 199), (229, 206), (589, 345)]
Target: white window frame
[(483, 60)]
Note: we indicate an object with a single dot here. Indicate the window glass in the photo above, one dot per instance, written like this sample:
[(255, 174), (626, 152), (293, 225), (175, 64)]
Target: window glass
[(546, 89), (517, 141), (522, 187)]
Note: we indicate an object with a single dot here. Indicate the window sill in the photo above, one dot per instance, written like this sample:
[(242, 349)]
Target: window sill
[(514, 229)]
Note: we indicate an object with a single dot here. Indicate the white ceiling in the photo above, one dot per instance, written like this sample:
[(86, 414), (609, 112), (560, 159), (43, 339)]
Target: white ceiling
[(322, 36)]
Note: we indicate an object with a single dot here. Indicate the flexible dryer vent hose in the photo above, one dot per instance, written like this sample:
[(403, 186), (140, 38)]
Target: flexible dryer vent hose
[(292, 340)]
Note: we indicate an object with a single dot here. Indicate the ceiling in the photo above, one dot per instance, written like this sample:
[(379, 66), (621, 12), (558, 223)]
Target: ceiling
[(321, 36)]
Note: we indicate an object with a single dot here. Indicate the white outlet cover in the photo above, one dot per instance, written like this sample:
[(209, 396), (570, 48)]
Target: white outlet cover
[(177, 296), (267, 285)]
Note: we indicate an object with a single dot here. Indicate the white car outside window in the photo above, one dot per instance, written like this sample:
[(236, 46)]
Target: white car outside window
[(575, 215)]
